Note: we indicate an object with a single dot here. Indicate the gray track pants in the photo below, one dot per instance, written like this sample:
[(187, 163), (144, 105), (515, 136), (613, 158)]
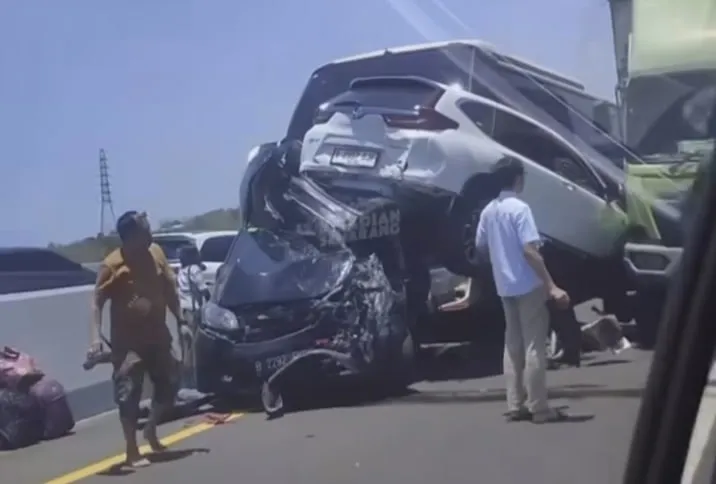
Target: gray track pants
[(525, 359)]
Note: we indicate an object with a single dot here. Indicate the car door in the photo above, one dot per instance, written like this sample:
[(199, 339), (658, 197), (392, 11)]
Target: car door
[(567, 198)]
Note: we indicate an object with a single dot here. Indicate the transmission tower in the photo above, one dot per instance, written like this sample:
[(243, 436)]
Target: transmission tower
[(107, 209)]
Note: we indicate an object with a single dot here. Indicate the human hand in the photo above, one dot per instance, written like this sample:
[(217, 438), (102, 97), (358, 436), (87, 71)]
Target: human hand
[(560, 297), (141, 304), (94, 348)]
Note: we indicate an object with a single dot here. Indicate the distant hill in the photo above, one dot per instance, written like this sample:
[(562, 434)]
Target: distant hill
[(94, 249)]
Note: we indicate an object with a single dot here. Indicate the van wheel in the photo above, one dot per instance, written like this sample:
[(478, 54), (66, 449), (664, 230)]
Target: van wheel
[(402, 366)]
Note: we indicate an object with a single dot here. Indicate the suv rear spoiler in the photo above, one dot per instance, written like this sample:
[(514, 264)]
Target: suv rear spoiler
[(394, 81)]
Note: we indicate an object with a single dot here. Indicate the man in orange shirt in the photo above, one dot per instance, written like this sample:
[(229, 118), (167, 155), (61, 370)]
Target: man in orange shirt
[(138, 281)]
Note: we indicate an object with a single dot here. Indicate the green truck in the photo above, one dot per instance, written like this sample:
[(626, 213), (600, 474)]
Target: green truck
[(666, 70)]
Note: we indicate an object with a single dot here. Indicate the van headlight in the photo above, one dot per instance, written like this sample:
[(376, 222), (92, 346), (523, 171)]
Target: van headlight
[(216, 317)]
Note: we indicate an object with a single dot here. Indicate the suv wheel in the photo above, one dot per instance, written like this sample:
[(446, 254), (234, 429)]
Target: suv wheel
[(459, 254)]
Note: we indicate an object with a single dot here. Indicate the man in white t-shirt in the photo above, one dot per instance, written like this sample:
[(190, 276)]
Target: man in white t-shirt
[(193, 293), (508, 231)]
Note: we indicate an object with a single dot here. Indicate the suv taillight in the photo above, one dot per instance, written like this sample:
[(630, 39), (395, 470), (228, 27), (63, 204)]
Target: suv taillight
[(426, 119), (321, 116)]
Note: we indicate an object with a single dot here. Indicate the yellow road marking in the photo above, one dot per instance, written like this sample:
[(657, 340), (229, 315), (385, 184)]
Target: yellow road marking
[(103, 465)]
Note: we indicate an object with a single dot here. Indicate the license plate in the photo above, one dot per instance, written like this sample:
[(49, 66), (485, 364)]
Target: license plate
[(355, 158), (269, 366)]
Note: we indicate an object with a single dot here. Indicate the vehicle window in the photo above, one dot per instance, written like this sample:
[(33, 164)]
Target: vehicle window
[(172, 245), (480, 114), (679, 118), (594, 121), (281, 266), (400, 96), (573, 171), (449, 66), (216, 248), (532, 142), (553, 105), (35, 261)]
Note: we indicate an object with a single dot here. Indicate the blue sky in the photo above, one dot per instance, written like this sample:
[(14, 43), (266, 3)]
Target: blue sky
[(178, 91)]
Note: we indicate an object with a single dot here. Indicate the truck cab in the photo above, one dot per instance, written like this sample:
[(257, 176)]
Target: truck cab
[(666, 92)]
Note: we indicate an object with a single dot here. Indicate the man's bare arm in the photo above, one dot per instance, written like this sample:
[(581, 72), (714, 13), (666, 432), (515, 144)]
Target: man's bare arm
[(104, 277), (530, 238), (536, 261)]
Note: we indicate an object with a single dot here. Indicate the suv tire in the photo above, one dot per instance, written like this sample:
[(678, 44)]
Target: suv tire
[(458, 253)]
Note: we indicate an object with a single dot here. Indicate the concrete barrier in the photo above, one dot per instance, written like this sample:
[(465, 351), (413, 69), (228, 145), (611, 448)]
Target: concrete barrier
[(17, 282), (53, 326)]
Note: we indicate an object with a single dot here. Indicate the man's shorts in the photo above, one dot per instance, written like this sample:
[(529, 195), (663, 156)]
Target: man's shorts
[(128, 378)]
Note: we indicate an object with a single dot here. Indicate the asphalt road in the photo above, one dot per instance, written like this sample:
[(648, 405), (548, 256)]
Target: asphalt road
[(449, 429)]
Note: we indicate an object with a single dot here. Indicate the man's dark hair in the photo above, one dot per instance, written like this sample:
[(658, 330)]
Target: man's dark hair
[(127, 224), (507, 171), (189, 256)]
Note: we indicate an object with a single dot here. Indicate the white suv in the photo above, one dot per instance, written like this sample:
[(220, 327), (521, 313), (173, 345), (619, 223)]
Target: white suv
[(433, 146), (213, 247)]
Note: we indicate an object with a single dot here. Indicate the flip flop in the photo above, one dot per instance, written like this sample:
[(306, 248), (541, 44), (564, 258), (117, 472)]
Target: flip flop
[(551, 416), (138, 464), (521, 415)]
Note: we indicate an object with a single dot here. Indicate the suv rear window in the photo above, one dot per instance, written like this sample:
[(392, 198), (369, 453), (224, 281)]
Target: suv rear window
[(171, 245), (391, 93), (216, 248), (449, 65)]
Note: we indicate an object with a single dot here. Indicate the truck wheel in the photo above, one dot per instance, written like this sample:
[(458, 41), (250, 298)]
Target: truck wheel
[(647, 315), (649, 306)]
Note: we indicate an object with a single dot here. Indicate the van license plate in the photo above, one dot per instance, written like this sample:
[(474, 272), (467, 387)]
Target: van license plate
[(269, 366), (354, 158)]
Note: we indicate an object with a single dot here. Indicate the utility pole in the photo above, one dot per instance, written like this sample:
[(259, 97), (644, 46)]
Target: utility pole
[(107, 209), (621, 13)]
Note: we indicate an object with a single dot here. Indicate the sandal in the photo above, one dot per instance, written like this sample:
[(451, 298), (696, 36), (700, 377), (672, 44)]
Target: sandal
[(521, 415), (550, 416)]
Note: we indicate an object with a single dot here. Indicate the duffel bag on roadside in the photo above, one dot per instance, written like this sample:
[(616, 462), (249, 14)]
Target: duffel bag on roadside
[(21, 419), (57, 415), (17, 369)]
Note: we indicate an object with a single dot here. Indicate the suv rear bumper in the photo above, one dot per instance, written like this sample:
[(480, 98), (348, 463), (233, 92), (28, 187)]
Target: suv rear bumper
[(410, 196)]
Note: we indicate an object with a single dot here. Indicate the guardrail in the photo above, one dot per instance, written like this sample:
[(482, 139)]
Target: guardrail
[(53, 326), (18, 282)]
